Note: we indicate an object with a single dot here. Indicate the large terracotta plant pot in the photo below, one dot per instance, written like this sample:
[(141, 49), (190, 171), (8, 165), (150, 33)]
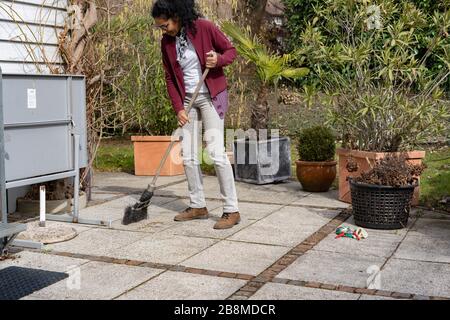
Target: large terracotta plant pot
[(316, 176), (362, 159), (148, 153)]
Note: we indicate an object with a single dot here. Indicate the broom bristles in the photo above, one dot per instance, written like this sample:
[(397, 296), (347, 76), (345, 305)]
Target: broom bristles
[(139, 211)]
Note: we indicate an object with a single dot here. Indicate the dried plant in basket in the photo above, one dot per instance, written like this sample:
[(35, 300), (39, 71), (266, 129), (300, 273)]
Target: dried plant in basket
[(394, 171)]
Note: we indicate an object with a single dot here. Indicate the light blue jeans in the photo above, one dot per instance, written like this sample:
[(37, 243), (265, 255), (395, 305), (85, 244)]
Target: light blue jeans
[(204, 114)]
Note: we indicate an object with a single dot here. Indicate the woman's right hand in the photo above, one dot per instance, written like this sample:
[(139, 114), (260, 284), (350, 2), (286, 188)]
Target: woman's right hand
[(182, 118)]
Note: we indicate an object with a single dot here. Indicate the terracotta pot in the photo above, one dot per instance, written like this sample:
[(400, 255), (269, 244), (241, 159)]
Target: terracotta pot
[(316, 176), (148, 153), (362, 158)]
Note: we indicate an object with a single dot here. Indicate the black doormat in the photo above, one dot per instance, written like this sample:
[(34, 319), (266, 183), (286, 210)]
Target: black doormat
[(18, 282)]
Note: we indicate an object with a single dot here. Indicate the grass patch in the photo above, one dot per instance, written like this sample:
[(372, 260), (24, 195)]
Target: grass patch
[(115, 155), (435, 180)]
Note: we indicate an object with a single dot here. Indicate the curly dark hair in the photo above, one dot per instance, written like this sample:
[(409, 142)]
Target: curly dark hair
[(185, 10)]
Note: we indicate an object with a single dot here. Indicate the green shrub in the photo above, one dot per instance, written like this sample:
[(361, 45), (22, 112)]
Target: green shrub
[(333, 23), (380, 93), (316, 144)]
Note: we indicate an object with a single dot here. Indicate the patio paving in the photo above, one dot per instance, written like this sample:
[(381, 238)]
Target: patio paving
[(159, 258), (179, 286)]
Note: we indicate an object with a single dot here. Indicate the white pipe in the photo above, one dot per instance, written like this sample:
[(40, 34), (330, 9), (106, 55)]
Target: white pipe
[(42, 206)]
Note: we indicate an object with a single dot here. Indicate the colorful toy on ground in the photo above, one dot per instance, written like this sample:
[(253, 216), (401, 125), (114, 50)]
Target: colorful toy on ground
[(347, 232)]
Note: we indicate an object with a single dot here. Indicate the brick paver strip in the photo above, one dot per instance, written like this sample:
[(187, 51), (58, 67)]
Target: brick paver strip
[(371, 292), (366, 291), (312, 284), (401, 295)]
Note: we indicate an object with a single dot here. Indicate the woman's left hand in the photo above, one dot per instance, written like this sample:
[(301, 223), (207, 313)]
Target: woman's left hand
[(211, 59)]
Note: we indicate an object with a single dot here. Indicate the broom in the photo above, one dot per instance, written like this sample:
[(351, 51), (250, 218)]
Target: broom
[(139, 211)]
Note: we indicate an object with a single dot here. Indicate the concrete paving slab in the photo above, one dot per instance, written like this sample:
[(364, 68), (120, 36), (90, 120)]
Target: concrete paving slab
[(181, 204), (432, 228), (129, 183), (156, 222), (429, 214), (278, 291), (287, 227), (160, 216), (114, 210), (111, 210), (256, 211), (42, 261), (266, 195), (164, 248), (184, 286), (238, 257), (98, 280), (286, 186), (332, 268), (422, 278), (350, 222), (30, 297), (322, 199), (246, 192), (104, 196), (378, 244), (424, 248), (204, 228), (101, 242), (369, 297)]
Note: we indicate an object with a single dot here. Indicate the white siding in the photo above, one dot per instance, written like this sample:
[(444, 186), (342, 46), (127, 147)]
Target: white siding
[(29, 34)]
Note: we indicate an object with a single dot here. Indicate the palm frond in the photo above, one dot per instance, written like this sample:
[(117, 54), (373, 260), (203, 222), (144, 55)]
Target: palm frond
[(270, 67), (294, 73)]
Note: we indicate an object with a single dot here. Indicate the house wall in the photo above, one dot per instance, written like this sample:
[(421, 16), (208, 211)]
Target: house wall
[(29, 34), (29, 44)]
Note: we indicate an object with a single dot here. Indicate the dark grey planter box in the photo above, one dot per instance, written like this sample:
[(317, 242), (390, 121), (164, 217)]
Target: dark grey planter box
[(263, 161)]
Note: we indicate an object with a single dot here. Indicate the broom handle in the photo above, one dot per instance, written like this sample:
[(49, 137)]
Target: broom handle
[(151, 186)]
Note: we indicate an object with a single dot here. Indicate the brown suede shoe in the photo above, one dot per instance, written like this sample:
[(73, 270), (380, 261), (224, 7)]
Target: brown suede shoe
[(191, 214), (228, 220)]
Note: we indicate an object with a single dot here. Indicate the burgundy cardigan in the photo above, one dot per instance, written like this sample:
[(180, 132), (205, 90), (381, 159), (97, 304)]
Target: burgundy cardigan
[(208, 37)]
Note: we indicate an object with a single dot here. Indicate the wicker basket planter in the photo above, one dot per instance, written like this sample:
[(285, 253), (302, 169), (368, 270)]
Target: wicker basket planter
[(380, 207), (363, 158)]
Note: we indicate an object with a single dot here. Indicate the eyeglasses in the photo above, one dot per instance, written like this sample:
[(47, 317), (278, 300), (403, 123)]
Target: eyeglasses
[(163, 27)]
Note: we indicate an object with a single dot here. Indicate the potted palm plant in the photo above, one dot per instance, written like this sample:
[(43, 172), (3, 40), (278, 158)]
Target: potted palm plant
[(383, 94), (316, 168), (260, 158)]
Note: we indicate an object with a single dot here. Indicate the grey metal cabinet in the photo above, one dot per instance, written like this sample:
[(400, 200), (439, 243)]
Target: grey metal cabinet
[(41, 113)]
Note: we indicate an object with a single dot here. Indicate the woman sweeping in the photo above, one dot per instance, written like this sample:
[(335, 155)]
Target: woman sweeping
[(189, 45)]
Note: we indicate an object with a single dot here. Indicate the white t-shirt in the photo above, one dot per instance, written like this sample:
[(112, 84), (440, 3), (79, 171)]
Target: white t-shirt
[(192, 72)]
